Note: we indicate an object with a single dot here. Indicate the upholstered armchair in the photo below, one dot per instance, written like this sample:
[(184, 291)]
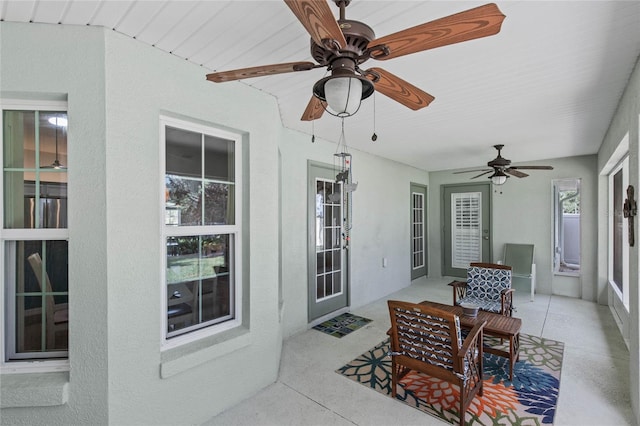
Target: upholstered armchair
[(488, 287), (428, 340)]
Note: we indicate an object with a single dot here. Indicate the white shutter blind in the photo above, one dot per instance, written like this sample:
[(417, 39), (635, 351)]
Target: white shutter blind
[(466, 235)]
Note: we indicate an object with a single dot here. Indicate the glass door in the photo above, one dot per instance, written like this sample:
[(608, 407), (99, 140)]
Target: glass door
[(326, 251)]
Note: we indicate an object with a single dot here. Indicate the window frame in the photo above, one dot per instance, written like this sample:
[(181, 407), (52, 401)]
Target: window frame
[(234, 231), (55, 362), (623, 294)]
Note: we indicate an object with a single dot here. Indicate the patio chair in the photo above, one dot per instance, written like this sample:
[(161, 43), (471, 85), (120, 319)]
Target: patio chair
[(428, 340), (488, 287), (521, 259)]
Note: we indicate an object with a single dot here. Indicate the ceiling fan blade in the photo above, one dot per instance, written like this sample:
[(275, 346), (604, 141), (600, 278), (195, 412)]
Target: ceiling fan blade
[(399, 90), (315, 109), (318, 20), (515, 173), (474, 23), (482, 174), (475, 170), (261, 71), (532, 167)]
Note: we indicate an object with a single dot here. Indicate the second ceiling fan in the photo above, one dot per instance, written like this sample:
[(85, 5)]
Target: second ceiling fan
[(502, 168), (343, 45)]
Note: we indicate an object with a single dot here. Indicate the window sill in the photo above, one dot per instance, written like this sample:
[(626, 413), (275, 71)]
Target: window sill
[(34, 389), (178, 359)]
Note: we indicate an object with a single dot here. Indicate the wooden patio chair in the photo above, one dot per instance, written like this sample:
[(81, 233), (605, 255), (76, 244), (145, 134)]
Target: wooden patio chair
[(488, 286), (428, 340)]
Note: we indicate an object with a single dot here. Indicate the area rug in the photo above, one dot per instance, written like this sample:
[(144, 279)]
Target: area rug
[(530, 398), (342, 325)]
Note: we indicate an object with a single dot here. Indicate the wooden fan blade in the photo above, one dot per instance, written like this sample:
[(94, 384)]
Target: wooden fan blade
[(532, 167), (315, 109), (399, 90), (515, 173), (318, 20), (261, 71), (470, 171), (474, 23), (482, 174)]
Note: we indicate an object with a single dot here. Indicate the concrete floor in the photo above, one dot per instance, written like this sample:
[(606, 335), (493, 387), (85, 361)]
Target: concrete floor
[(594, 386)]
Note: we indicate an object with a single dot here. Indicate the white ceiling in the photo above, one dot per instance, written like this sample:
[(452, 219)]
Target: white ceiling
[(546, 86)]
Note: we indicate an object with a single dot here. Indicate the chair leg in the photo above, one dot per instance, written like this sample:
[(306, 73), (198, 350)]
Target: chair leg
[(394, 377)]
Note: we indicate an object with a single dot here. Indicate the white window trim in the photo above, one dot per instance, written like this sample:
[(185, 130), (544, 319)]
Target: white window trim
[(624, 294), (34, 365), (235, 230)]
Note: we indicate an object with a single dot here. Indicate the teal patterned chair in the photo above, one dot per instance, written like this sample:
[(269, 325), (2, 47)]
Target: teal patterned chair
[(488, 287)]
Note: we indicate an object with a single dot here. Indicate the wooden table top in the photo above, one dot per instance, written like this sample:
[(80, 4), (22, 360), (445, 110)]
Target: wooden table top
[(496, 323)]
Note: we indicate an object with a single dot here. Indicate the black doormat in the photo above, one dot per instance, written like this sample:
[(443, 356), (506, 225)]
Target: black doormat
[(342, 324)]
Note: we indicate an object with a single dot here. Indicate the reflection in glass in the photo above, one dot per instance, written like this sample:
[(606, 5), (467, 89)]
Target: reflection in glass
[(328, 236), (198, 280), (41, 295), (184, 195), (35, 193), (219, 204)]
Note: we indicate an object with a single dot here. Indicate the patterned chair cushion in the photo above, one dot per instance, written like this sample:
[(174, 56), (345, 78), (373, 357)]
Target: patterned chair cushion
[(484, 304), (486, 284)]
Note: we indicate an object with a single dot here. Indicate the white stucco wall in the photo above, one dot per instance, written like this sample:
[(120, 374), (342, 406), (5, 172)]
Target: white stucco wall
[(50, 61), (117, 88), (522, 212), (626, 122), (380, 224)]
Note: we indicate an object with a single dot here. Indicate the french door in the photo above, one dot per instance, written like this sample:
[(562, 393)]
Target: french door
[(466, 215), (327, 254), (418, 231)]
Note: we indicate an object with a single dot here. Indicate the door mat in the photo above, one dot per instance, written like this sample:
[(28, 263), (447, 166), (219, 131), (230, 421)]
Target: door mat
[(342, 325), (531, 397)]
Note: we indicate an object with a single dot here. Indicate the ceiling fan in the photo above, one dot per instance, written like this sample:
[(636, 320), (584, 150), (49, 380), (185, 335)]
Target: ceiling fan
[(343, 45), (501, 168)]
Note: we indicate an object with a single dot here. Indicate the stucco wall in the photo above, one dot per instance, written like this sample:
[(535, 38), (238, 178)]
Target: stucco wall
[(117, 88), (625, 122), (380, 224), (57, 62)]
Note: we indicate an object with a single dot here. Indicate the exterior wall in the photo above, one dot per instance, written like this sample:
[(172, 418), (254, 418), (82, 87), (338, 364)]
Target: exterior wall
[(50, 61), (523, 213), (380, 224), (626, 121), (116, 89)]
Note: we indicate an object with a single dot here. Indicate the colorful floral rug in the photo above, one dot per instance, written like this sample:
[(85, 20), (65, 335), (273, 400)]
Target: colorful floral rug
[(530, 398), (342, 325)]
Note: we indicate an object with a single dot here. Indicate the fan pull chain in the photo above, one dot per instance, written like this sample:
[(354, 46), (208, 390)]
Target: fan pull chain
[(374, 137), (313, 131)]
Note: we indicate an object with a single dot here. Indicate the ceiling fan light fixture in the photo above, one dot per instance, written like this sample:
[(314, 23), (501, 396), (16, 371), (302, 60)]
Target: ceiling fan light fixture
[(343, 93), (498, 177)]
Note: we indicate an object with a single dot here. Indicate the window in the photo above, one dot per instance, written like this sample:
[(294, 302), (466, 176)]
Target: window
[(466, 244), (202, 230), (34, 236), (566, 258), (619, 240)]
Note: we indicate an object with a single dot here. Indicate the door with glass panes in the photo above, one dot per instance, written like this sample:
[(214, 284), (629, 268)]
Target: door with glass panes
[(418, 231), (327, 266)]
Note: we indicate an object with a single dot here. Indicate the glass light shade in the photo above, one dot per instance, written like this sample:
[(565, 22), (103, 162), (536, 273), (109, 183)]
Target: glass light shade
[(343, 95), (498, 179)]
